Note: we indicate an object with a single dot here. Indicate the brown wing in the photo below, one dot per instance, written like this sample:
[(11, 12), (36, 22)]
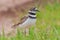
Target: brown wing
[(22, 20)]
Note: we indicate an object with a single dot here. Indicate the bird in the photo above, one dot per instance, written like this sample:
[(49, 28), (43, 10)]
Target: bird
[(28, 20)]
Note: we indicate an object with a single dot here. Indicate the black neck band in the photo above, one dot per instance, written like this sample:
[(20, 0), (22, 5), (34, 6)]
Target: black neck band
[(32, 13), (32, 17)]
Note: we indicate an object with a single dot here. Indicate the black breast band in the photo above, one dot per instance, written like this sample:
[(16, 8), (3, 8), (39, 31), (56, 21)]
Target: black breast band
[(32, 13)]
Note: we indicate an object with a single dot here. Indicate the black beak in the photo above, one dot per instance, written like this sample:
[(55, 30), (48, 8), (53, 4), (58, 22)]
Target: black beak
[(38, 10)]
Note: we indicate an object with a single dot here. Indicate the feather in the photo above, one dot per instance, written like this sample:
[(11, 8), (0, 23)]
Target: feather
[(21, 21)]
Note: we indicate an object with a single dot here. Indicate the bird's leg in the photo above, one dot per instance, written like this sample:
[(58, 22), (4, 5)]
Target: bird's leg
[(27, 31)]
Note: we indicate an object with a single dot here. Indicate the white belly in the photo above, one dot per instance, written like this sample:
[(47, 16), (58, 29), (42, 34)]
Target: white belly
[(28, 22)]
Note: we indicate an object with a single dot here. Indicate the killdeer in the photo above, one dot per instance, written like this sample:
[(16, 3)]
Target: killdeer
[(28, 21)]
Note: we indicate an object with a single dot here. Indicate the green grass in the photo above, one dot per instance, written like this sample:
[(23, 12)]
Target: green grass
[(47, 25)]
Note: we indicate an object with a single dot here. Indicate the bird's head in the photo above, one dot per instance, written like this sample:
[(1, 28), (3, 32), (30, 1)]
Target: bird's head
[(34, 9), (32, 12)]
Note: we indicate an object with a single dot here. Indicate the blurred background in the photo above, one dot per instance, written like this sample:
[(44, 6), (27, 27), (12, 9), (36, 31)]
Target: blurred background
[(48, 19)]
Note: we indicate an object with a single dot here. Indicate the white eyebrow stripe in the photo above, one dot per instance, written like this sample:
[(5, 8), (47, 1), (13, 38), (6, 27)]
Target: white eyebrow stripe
[(32, 11), (35, 8)]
